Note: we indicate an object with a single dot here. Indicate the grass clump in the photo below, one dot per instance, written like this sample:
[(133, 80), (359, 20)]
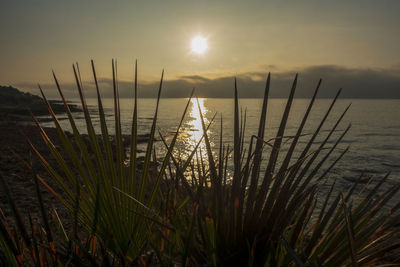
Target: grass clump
[(189, 212)]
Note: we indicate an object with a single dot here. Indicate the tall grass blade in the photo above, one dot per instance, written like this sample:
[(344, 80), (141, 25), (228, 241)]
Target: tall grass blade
[(273, 159), (258, 153)]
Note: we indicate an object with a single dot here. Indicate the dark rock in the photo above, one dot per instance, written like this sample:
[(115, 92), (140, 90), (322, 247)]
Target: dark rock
[(15, 104)]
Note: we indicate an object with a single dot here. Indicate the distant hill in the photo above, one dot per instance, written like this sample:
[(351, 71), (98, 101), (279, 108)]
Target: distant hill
[(12, 96), (15, 102)]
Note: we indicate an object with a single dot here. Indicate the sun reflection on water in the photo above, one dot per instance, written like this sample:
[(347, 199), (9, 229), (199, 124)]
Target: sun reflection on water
[(194, 130), (195, 123)]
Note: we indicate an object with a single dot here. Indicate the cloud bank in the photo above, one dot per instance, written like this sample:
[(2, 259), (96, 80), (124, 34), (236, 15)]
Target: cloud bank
[(356, 83)]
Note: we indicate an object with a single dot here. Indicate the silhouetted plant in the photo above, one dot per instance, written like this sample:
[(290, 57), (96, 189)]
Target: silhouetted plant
[(192, 211)]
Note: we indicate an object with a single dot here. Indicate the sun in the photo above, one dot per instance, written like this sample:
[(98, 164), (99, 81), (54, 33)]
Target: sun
[(199, 45)]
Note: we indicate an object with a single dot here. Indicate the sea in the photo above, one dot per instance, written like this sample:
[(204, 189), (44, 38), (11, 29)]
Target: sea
[(373, 139)]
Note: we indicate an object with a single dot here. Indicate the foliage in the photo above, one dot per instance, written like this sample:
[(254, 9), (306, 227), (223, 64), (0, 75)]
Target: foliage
[(192, 211)]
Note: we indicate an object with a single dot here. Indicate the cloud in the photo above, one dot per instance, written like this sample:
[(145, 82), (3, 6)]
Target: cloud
[(356, 83), (194, 78)]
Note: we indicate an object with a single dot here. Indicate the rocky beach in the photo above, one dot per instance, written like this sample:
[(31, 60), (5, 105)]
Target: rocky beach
[(17, 129)]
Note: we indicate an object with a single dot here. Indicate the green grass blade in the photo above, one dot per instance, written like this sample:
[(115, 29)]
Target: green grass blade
[(258, 152), (259, 205), (133, 148), (118, 132), (150, 145)]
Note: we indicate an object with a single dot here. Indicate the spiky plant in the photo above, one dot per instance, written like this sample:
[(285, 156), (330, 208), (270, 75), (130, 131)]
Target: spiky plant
[(267, 217), (191, 212), (114, 201), (38, 243)]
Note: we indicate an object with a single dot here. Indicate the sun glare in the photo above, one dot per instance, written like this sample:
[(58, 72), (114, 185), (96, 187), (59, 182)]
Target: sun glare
[(199, 45)]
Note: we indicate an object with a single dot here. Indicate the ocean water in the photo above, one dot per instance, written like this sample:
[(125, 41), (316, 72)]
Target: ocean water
[(373, 140)]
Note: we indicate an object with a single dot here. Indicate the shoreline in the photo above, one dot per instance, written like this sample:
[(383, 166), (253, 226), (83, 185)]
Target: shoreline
[(13, 138), (19, 179)]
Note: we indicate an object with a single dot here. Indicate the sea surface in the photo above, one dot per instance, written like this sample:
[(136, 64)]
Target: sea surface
[(373, 140)]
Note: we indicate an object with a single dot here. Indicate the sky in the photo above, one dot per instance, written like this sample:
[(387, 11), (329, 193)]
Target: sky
[(349, 44)]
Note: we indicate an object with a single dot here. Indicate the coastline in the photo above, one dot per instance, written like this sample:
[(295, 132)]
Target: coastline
[(13, 139), (14, 135)]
